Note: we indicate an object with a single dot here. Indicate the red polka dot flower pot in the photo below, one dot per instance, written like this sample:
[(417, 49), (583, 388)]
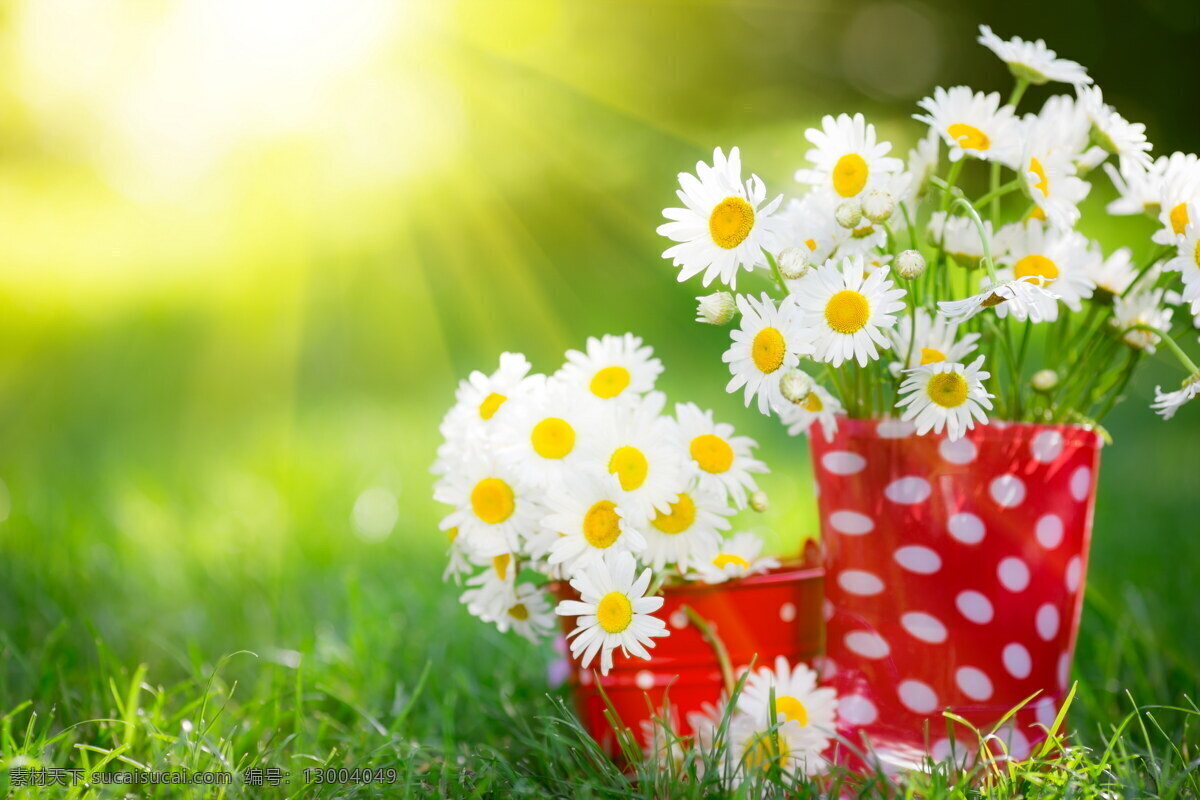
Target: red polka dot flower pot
[(777, 613), (955, 576)]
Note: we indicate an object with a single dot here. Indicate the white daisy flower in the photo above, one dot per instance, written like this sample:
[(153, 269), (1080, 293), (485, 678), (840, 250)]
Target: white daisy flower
[(612, 611), (923, 160), (640, 447), (724, 226), (490, 593), (1125, 140), (614, 367), (869, 236), (973, 124), (717, 458), (1187, 257), (529, 614), (1112, 275), (960, 238), (1180, 189), (767, 343), (706, 724), (945, 395), (738, 557), (690, 533), (1024, 298), (457, 560), (818, 406), (1032, 61), (806, 714), (477, 410), (589, 522), (493, 510), (1062, 125), (1142, 308), (1056, 259), (1050, 175), (848, 311), (809, 223), (847, 158), (664, 747), (545, 432), (1167, 403), (935, 341), (1139, 192)]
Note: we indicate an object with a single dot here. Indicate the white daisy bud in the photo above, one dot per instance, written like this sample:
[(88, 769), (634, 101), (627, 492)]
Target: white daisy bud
[(758, 501), (796, 386), (849, 213), (717, 308), (910, 264), (793, 263), (878, 205), (1044, 380)]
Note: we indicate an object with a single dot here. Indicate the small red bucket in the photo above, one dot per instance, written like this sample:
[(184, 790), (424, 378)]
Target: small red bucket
[(955, 579), (777, 613)]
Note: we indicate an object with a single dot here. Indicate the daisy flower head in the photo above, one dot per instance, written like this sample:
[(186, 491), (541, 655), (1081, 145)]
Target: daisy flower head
[(848, 311), (589, 522), (1142, 308), (1024, 298), (1112, 275), (529, 614), (945, 395), (960, 238), (493, 509), (935, 340), (1140, 191), (1186, 260), (717, 458), (490, 593), (817, 406), (923, 160), (1123, 139), (809, 223), (1056, 259), (972, 124), (545, 431), (738, 557), (1167, 403), (846, 159), (1032, 61), (640, 448), (612, 611), (867, 236), (1179, 191), (689, 534), (1063, 126), (457, 561), (612, 368), (806, 714), (767, 343), (479, 405), (1050, 178), (724, 224)]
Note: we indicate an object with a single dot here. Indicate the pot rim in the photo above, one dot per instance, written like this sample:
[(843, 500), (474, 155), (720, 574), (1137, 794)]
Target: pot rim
[(792, 570), (866, 425)]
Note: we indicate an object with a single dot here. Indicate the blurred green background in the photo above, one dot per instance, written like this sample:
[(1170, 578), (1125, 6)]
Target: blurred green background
[(247, 248)]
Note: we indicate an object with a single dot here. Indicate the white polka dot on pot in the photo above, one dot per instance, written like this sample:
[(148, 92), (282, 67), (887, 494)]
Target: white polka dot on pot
[(966, 528), (867, 644), (908, 490), (1013, 574), (644, 679), (678, 620), (975, 607), (973, 682), (855, 709), (827, 610), (1007, 490), (1049, 531), (917, 697), (1046, 711), (895, 429), (1046, 446), (1046, 621), (860, 582), (841, 462), (1081, 483), (962, 451), (851, 523), (918, 559), (1064, 669), (1074, 573), (1016, 660), (925, 627), (787, 612)]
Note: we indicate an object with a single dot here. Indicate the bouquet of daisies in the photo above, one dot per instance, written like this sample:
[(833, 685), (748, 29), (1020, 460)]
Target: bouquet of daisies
[(585, 476), (952, 286)]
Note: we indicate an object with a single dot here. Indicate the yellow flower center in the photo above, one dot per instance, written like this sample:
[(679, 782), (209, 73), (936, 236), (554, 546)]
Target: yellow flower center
[(1196, 254), (1179, 218), (602, 524), (813, 403), (768, 350), (850, 175), (947, 389), (711, 453), (847, 311), (931, 356), (863, 232), (683, 514), (452, 534), (811, 243), (731, 222), (968, 136), (519, 611), (492, 500), (491, 404), (1036, 213), (725, 559), (630, 466), (553, 438), (609, 382), (1036, 266), (762, 752), (614, 612), (500, 565), (793, 709), (1043, 185)]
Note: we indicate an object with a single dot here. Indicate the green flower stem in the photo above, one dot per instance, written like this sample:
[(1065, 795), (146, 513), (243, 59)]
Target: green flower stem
[(1187, 363), (912, 230), (778, 275), (714, 641), (1006, 348), (965, 204), (1115, 395), (1018, 92), (997, 192), (1144, 270)]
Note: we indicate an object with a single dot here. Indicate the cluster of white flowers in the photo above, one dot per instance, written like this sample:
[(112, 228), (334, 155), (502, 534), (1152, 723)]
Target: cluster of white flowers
[(583, 477), (887, 275), (747, 735)]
